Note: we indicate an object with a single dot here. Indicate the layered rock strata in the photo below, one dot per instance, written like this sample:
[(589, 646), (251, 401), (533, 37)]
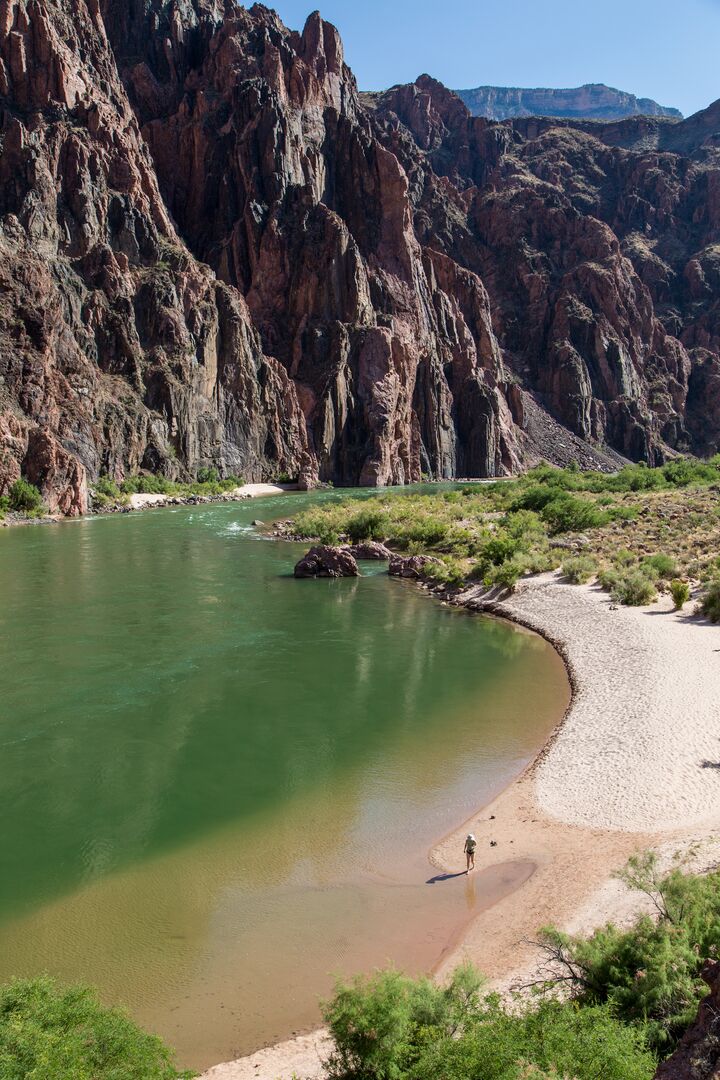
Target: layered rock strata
[(215, 252)]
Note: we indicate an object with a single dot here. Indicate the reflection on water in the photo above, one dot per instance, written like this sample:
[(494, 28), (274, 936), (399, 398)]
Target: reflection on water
[(215, 777)]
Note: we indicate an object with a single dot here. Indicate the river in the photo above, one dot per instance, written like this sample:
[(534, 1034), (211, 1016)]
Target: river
[(219, 785)]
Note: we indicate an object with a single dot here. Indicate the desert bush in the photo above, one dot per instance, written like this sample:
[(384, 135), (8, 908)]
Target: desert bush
[(146, 484), (448, 571), (24, 498), (207, 475), (649, 974), (633, 588), (680, 592), (366, 524), (568, 513), (664, 566), (54, 1034), (710, 602), (506, 575), (390, 1027), (579, 569), (499, 550)]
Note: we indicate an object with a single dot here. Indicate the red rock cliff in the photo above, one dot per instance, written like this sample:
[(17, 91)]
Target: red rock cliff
[(217, 252)]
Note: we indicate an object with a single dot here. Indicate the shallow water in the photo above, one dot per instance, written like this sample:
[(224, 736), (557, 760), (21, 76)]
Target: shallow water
[(219, 784)]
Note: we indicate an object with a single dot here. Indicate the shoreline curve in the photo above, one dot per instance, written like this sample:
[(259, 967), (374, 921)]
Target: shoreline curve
[(626, 768)]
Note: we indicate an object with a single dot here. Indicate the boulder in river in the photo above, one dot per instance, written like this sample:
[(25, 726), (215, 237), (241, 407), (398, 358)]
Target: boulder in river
[(411, 566), (326, 561), (370, 549)]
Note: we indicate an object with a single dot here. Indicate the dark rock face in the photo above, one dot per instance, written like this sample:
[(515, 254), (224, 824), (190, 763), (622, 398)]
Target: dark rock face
[(215, 253), (413, 567), (325, 561), (371, 551), (698, 1054), (593, 101)]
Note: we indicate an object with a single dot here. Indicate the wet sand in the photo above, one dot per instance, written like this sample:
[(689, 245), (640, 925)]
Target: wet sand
[(629, 768)]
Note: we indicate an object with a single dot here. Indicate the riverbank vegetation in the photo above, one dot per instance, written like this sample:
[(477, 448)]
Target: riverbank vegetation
[(22, 498), (106, 492), (610, 1005), (639, 531), (51, 1033)]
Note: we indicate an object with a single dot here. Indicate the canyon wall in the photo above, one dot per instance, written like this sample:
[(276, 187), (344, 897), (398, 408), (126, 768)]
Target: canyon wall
[(593, 101), (215, 251)]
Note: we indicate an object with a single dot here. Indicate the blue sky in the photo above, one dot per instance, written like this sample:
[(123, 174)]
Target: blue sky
[(663, 49)]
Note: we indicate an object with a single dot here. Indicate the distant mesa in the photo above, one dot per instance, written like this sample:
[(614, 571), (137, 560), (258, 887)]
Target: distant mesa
[(593, 101)]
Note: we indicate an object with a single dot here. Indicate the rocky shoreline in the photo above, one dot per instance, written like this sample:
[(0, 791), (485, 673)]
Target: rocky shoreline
[(150, 501)]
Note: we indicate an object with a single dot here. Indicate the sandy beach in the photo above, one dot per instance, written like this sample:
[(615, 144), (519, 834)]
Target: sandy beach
[(247, 491), (632, 765)]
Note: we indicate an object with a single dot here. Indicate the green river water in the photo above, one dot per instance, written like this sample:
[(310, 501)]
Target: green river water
[(219, 785)]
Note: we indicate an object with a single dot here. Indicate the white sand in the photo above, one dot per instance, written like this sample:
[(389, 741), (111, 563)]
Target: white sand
[(302, 1057), (625, 772), (247, 491), (645, 712)]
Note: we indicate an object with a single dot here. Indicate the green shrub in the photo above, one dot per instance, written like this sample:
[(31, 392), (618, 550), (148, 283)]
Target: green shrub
[(664, 566), (390, 1027), (207, 475), (367, 524), (623, 557), (568, 513), (710, 603), (579, 569), (649, 974), (499, 550), (506, 576), (448, 571), (633, 588), (50, 1033), (680, 592), (24, 498)]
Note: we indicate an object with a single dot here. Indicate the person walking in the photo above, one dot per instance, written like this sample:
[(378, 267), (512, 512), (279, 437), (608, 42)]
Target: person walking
[(470, 845)]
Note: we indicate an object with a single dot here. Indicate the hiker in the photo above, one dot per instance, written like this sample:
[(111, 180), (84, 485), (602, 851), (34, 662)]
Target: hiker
[(470, 845)]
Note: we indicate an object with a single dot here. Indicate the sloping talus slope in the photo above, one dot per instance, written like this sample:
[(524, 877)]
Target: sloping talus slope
[(214, 252)]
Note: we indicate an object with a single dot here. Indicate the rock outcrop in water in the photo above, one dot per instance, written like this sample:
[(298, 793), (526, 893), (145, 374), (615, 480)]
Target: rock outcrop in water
[(325, 561), (593, 101), (215, 252)]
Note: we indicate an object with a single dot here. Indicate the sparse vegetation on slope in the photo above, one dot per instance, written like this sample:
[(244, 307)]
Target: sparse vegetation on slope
[(637, 530)]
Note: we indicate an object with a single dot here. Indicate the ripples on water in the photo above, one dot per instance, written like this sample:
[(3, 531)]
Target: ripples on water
[(219, 783)]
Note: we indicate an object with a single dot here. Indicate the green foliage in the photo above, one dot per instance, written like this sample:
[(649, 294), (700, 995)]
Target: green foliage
[(506, 575), (448, 571), (631, 587), (579, 569), (710, 603), (390, 1027), (50, 1033), (207, 475), (24, 498), (568, 513), (680, 592), (661, 566), (648, 974), (367, 524), (147, 484), (499, 550)]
